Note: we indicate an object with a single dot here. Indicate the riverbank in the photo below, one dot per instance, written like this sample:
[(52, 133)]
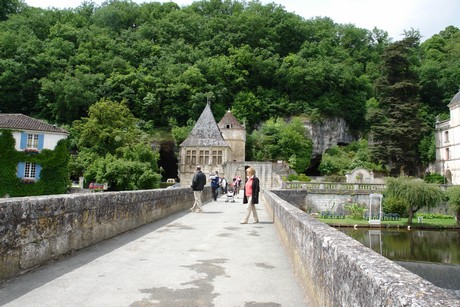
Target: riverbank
[(435, 223)]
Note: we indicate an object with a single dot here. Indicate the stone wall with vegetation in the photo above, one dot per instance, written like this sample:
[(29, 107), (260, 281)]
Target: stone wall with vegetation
[(34, 230), (319, 201), (339, 271)]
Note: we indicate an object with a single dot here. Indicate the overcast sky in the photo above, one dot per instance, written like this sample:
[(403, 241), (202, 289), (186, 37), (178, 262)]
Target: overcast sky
[(393, 16)]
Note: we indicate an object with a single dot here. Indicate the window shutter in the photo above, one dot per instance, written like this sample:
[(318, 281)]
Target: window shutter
[(40, 141), (38, 170), (23, 140), (21, 166)]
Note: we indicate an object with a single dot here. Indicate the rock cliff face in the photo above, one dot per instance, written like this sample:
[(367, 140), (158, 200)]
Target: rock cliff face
[(330, 132)]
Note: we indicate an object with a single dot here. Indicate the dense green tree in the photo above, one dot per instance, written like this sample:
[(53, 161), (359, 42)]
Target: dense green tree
[(8, 7), (397, 127), (112, 149), (280, 140), (440, 69), (259, 60), (338, 160), (415, 194), (109, 126)]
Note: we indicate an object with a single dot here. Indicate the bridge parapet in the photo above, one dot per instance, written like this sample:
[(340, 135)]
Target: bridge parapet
[(34, 230), (337, 270)]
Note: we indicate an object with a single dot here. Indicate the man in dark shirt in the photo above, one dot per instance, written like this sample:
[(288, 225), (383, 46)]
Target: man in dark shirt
[(198, 183), (215, 184)]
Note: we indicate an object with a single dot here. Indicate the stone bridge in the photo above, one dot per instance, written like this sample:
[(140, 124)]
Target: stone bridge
[(144, 248)]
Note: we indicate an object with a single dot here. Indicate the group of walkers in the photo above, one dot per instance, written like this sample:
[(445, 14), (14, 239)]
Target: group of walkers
[(220, 183), (250, 196)]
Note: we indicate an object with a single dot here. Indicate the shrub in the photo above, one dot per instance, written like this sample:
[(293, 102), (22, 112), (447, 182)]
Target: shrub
[(430, 216), (435, 178), (304, 178), (395, 205), (356, 210), (292, 177)]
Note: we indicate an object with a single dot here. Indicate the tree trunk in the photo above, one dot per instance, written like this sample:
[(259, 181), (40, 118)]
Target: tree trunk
[(411, 215), (458, 217)]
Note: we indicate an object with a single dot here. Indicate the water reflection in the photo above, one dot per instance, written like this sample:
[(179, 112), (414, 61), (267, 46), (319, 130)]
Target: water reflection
[(435, 246)]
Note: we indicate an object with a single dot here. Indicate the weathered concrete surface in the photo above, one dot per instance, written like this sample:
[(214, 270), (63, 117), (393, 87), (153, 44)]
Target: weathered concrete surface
[(185, 259), (339, 271), (34, 230)]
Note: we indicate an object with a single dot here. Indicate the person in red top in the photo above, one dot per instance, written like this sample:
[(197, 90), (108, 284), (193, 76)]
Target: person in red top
[(251, 195)]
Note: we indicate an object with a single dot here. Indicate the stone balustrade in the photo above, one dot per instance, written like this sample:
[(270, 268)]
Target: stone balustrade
[(334, 186)]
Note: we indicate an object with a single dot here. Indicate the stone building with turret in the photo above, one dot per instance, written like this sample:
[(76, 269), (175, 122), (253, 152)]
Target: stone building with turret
[(214, 147), (234, 134)]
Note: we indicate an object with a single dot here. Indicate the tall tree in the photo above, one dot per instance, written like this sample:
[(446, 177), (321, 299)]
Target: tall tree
[(396, 128), (280, 140), (8, 7), (112, 149)]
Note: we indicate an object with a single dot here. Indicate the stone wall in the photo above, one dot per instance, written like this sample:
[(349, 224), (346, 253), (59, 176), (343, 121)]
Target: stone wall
[(34, 230), (322, 201), (270, 174), (339, 271), (318, 201)]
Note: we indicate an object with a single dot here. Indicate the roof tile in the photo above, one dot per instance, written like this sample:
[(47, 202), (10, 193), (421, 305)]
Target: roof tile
[(205, 132), (23, 122)]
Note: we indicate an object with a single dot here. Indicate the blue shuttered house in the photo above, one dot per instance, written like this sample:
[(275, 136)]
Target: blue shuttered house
[(31, 136)]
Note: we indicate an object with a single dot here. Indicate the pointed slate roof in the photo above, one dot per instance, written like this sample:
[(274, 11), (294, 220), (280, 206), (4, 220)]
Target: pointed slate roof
[(23, 122), (229, 121), (205, 132)]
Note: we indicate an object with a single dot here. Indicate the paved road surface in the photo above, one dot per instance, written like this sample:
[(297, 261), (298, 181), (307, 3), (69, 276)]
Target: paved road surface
[(188, 259)]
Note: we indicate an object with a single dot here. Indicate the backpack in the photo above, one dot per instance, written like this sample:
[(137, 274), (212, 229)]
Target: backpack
[(215, 181)]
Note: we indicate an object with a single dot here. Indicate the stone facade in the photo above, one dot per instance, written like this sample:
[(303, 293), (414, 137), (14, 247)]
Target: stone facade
[(235, 135), (212, 146), (362, 175), (447, 139)]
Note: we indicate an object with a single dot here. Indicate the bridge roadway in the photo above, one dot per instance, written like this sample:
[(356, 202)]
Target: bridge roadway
[(187, 259)]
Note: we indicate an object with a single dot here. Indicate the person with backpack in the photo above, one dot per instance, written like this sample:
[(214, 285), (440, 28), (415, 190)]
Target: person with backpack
[(215, 185)]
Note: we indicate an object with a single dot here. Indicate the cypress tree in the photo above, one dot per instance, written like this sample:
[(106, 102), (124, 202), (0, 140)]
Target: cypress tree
[(397, 128)]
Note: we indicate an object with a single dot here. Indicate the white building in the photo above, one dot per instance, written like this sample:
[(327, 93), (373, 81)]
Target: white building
[(447, 138), (31, 135)]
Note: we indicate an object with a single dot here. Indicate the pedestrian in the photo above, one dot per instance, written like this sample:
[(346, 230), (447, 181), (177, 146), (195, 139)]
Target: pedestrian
[(223, 185), (237, 185), (251, 195), (198, 183), (215, 185)]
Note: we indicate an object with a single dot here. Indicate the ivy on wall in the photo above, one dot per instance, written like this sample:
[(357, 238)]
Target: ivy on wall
[(54, 177)]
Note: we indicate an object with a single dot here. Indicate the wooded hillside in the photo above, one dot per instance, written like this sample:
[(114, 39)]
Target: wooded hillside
[(165, 60)]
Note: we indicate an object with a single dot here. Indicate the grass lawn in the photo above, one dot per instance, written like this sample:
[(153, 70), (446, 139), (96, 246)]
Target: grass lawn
[(427, 223)]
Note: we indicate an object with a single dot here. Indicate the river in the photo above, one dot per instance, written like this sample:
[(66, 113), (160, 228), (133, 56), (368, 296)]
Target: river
[(432, 254)]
